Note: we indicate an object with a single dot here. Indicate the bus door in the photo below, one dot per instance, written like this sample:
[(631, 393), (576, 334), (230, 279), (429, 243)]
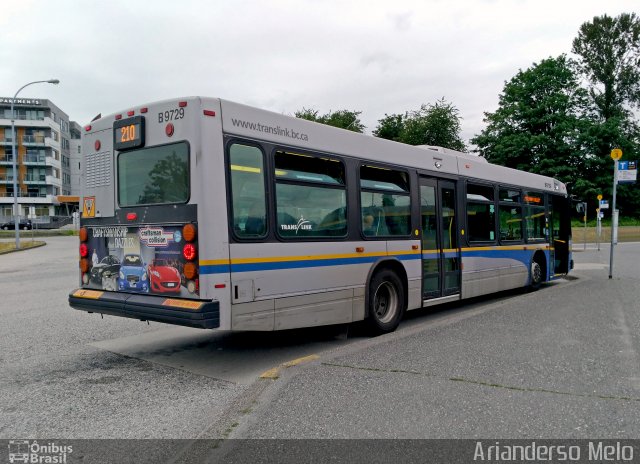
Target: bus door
[(559, 210), (440, 248)]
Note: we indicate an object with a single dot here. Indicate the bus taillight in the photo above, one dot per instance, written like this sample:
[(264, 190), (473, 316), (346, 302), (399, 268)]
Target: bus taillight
[(83, 234), (189, 233), (189, 251), (190, 270)]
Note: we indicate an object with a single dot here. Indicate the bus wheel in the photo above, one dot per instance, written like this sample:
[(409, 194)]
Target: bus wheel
[(386, 301), (536, 275)]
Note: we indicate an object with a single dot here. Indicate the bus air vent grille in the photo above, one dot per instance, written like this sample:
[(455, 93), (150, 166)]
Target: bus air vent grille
[(98, 170)]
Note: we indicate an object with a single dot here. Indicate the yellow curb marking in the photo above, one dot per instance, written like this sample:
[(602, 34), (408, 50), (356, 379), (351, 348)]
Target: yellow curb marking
[(304, 359), (275, 372)]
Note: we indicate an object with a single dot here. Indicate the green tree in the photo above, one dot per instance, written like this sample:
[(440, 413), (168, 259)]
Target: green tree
[(608, 51), (541, 123), (433, 124), (343, 119)]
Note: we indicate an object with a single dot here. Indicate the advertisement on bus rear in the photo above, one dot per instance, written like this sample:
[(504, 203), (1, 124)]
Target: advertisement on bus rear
[(146, 259)]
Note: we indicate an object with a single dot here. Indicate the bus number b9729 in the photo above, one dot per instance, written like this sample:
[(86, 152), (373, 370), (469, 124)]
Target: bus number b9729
[(171, 115)]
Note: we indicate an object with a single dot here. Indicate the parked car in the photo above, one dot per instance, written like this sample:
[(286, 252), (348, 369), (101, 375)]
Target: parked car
[(133, 274), (23, 225), (105, 273), (163, 278)]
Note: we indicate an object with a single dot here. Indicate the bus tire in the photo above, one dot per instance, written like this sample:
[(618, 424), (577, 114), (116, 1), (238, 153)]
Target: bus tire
[(537, 274), (385, 302)]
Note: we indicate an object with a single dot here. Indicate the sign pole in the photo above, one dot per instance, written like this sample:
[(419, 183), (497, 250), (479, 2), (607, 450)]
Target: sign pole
[(598, 222), (616, 154), (585, 225)]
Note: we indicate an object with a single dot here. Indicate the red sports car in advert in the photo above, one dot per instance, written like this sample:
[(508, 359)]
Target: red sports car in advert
[(164, 277)]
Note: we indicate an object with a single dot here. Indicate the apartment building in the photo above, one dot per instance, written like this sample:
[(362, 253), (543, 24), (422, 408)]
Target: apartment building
[(45, 138)]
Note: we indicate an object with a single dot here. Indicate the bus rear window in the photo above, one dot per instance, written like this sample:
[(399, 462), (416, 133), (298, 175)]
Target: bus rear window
[(154, 175)]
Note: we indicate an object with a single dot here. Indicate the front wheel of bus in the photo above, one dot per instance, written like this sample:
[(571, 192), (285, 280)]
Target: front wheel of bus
[(386, 302)]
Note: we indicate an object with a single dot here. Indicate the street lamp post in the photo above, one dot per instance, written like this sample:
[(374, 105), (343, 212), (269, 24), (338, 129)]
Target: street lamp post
[(14, 154)]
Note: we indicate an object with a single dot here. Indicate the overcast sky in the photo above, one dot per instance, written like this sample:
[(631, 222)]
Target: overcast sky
[(372, 56)]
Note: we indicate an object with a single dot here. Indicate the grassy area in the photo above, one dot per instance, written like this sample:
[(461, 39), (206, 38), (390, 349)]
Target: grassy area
[(5, 247), (28, 234), (606, 222), (625, 234)]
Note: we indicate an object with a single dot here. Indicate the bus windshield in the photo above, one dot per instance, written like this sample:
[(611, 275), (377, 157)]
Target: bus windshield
[(155, 175)]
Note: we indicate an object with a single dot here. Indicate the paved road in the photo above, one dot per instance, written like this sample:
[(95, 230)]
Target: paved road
[(559, 362), (70, 374)]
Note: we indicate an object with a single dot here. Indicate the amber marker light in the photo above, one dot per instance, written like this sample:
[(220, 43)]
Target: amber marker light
[(189, 270), (84, 265), (189, 233), (83, 234)]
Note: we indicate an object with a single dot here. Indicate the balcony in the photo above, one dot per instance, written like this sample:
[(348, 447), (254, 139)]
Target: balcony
[(6, 160), (33, 140), (34, 160), (35, 180), (6, 179)]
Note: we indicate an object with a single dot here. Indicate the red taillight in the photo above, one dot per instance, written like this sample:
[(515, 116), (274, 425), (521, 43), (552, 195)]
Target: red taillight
[(87, 128), (97, 145), (169, 130), (132, 216), (118, 117), (182, 104), (84, 250), (209, 113), (131, 113), (144, 110), (189, 252)]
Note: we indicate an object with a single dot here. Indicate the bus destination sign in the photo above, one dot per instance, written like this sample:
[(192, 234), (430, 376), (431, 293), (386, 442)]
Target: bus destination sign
[(128, 133)]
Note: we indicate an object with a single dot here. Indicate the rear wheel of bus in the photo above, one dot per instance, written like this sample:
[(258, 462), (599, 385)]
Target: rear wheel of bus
[(386, 302)]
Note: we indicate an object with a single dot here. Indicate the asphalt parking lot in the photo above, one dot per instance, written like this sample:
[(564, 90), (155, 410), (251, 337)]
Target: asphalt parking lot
[(558, 363)]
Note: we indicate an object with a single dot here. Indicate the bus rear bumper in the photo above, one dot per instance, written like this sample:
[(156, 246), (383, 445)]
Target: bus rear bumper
[(190, 313)]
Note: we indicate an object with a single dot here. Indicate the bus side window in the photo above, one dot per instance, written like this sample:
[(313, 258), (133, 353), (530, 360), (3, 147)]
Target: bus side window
[(248, 191), (385, 202)]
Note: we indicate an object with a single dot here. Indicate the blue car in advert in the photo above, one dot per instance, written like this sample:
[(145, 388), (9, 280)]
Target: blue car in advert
[(133, 274)]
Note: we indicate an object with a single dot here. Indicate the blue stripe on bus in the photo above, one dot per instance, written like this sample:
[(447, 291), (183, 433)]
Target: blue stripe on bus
[(296, 264), (523, 256)]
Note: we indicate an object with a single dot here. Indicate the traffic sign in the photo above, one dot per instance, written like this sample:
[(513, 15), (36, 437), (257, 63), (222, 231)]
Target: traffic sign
[(616, 154), (604, 204), (627, 172), (599, 196)]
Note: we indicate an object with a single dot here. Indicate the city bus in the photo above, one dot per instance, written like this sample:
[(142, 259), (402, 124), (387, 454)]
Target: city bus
[(206, 213)]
